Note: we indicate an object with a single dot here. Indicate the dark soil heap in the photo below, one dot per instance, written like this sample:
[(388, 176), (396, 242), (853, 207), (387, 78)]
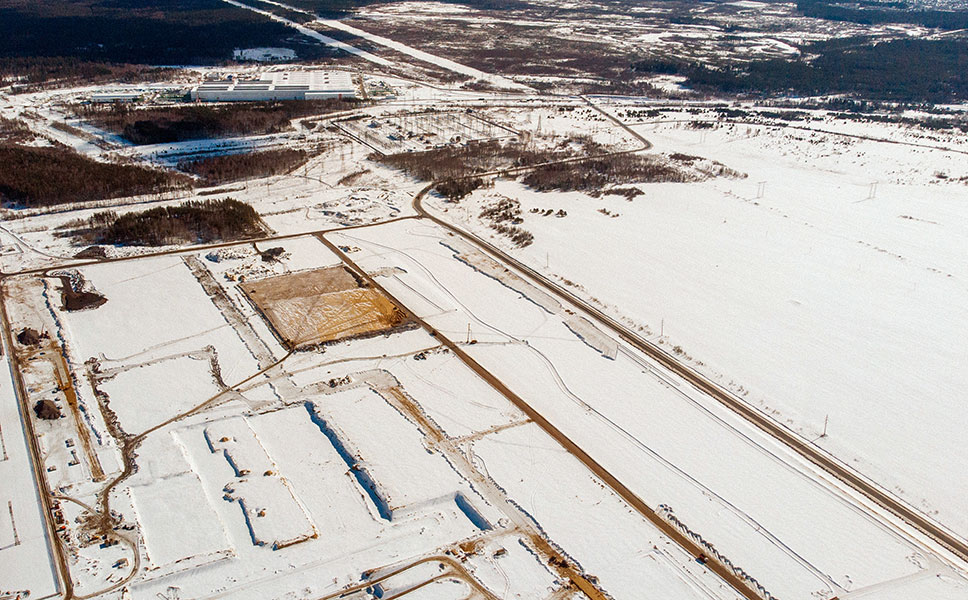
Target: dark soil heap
[(46, 409), (31, 337), (96, 252)]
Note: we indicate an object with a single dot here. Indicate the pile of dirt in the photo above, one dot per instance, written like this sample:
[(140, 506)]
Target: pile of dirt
[(31, 337), (95, 252), (308, 308), (74, 297), (46, 409), (272, 254)]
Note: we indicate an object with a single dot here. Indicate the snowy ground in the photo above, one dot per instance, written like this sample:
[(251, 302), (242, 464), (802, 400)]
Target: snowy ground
[(23, 535), (815, 301), (715, 475), (825, 287)]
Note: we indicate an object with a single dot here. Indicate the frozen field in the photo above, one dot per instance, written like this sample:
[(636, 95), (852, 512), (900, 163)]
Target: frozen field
[(23, 535), (668, 444), (814, 301)]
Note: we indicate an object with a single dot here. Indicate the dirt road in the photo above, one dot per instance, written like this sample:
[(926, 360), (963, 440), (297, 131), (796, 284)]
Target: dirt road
[(617, 486)]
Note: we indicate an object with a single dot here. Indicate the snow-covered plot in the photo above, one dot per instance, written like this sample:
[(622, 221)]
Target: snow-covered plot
[(661, 438), (155, 307), (460, 404), (180, 529), (274, 515), (23, 535), (403, 475), (609, 541), (302, 253), (147, 395), (828, 293)]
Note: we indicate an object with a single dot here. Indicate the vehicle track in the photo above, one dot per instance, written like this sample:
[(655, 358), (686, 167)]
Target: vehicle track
[(40, 475)]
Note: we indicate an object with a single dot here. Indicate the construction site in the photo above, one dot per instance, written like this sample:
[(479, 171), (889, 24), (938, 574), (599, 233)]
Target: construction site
[(416, 131), (480, 335)]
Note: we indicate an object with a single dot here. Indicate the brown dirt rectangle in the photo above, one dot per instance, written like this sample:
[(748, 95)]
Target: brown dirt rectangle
[(320, 306), (300, 285)]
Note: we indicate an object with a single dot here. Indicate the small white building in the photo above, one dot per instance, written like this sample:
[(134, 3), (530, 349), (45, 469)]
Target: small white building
[(282, 85)]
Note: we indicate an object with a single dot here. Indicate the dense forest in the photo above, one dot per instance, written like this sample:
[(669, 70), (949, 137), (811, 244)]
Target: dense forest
[(12, 130), (215, 170), (190, 122), (30, 71), (165, 32), (904, 70), (92, 39), (43, 176), (191, 222), (874, 13)]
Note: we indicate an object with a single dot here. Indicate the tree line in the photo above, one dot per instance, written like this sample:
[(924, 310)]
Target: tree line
[(216, 170), (192, 222), (43, 176), (902, 70)]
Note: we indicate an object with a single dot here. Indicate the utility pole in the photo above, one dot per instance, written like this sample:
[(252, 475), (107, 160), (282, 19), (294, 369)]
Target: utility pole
[(873, 191), (825, 419), (760, 189)]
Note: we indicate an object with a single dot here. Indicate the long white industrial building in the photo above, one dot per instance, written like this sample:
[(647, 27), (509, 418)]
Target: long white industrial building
[(281, 85)]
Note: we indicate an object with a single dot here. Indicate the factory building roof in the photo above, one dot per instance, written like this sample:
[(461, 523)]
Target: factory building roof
[(279, 85)]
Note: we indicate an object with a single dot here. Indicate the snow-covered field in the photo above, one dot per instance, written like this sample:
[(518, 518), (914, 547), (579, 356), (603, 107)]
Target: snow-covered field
[(824, 299), (665, 441), (23, 535), (500, 442)]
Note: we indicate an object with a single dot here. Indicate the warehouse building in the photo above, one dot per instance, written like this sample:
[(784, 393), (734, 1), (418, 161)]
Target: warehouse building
[(108, 97), (283, 85)]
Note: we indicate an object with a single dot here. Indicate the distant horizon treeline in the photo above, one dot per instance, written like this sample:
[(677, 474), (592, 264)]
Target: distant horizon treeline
[(875, 12), (903, 70), (151, 32), (68, 41)]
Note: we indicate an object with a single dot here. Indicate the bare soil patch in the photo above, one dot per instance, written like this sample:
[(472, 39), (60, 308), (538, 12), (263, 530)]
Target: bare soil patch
[(314, 307), (75, 297)]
